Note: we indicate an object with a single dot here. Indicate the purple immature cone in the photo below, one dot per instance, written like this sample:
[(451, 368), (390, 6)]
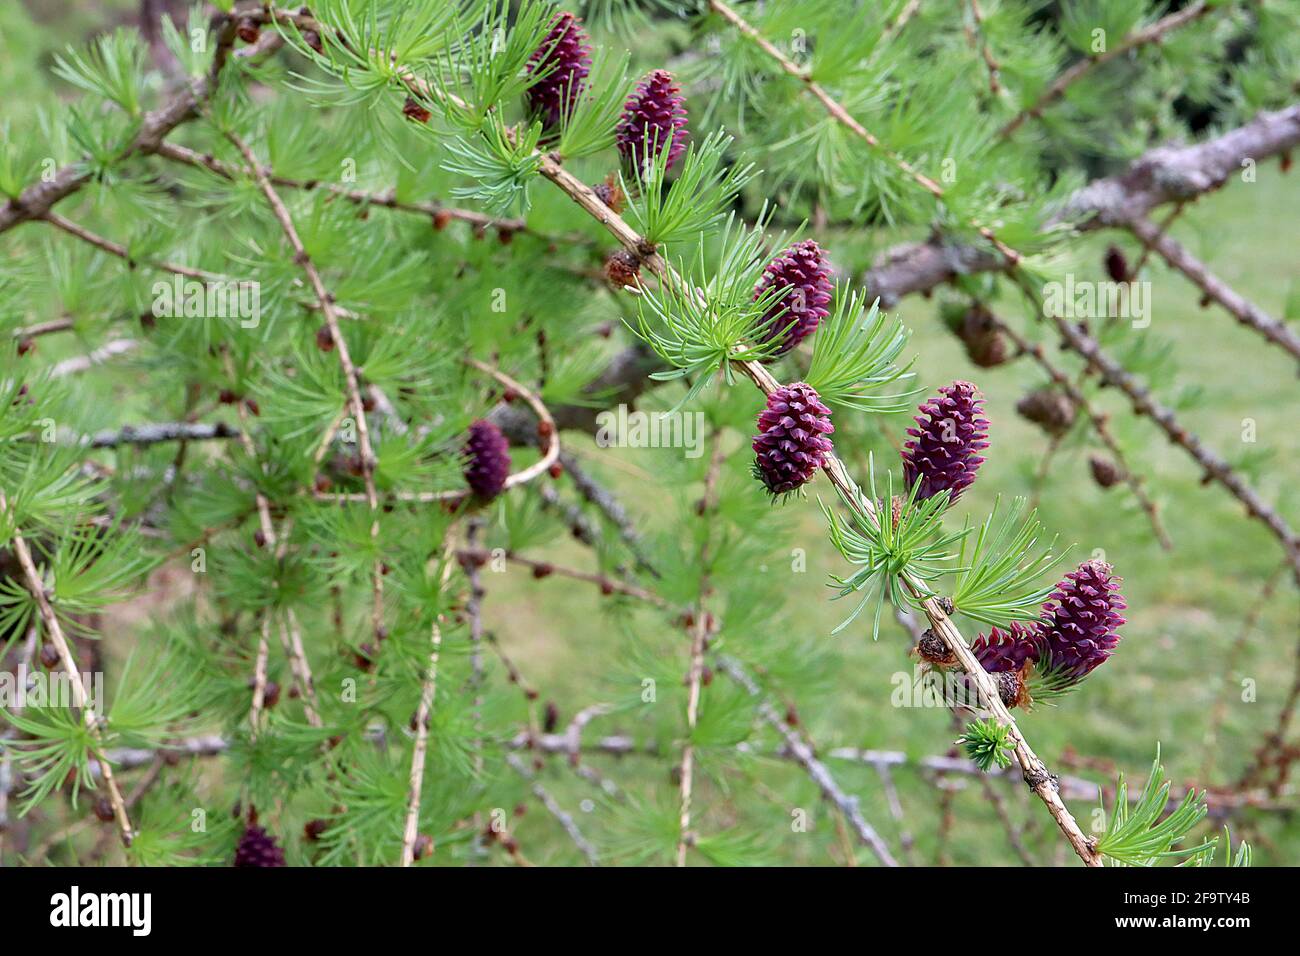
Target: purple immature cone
[(654, 119), (801, 269), (565, 58), (1081, 620), (944, 452), (487, 456), (791, 443), (1007, 650), (258, 848)]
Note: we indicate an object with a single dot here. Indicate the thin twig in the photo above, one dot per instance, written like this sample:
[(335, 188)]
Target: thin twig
[(1211, 738), (478, 556), (428, 691), (269, 540), (351, 377), (1012, 831), (43, 328), (1161, 229), (1273, 749), (701, 627), (156, 433), (386, 200), (981, 40), (553, 807), (1237, 305), (83, 363), (1148, 34), (905, 838), (80, 692), (608, 505), (121, 252), (570, 744)]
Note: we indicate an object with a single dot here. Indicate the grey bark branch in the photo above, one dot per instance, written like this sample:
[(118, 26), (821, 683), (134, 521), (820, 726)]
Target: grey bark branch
[(153, 434), (1100, 425), (625, 745), (1162, 175), (1172, 173)]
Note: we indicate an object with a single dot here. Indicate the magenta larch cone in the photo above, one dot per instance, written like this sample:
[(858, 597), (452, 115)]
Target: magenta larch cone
[(944, 451), (654, 119), (791, 443), (802, 270), (487, 459), (565, 57)]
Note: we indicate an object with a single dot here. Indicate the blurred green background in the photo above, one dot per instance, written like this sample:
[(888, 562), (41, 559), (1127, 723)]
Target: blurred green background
[(1186, 607)]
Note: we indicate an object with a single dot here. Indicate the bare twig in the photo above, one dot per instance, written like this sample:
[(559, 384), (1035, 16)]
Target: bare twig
[(1211, 738), (981, 40), (83, 363), (569, 744), (290, 632), (1161, 229), (553, 807), (155, 433), (386, 200), (1237, 305), (904, 17), (1012, 831), (542, 569), (608, 505), (427, 692), (1274, 750), (42, 328), (905, 838)]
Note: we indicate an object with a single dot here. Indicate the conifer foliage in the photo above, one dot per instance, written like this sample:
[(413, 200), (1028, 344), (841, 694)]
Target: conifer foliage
[(316, 310)]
